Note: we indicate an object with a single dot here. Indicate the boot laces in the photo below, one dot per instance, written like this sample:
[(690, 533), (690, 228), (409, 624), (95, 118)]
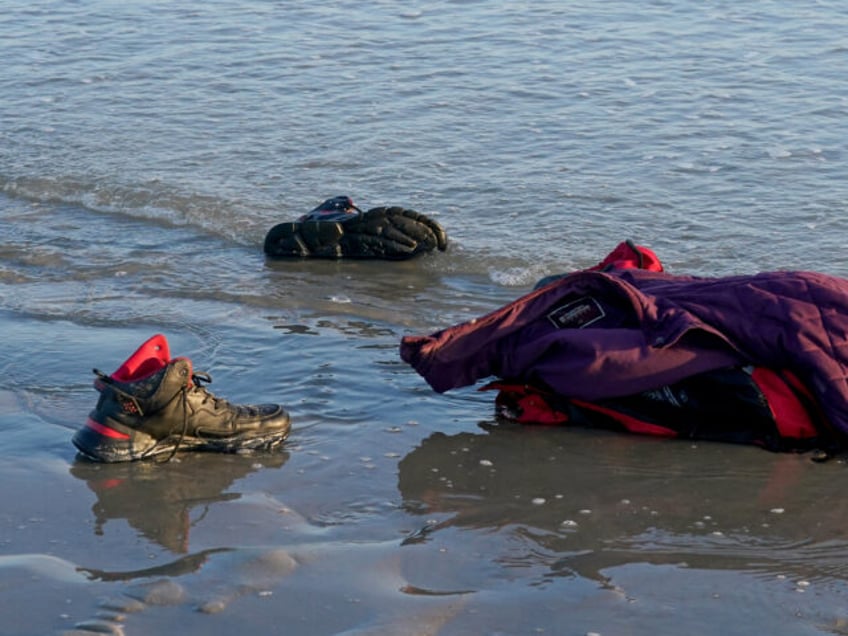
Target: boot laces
[(196, 387), (198, 381)]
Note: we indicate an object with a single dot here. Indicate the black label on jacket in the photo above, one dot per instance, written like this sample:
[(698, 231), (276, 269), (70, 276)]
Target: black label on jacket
[(577, 313)]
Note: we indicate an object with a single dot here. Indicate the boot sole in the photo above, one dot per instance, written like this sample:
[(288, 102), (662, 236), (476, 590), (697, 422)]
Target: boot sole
[(96, 446)]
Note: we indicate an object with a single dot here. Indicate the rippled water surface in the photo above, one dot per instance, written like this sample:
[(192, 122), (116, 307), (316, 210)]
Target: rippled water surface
[(146, 148)]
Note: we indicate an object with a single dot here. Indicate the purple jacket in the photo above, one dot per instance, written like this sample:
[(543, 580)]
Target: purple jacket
[(594, 335)]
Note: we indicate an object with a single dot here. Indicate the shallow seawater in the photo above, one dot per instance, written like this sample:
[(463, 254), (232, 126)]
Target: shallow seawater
[(146, 148)]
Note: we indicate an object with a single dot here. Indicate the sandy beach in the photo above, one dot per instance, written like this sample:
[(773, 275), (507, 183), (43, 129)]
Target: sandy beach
[(147, 148)]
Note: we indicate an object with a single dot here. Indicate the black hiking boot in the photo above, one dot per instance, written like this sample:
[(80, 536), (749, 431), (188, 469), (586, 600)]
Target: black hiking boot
[(153, 405)]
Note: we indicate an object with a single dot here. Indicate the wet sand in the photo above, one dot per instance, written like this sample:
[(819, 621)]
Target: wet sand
[(393, 510)]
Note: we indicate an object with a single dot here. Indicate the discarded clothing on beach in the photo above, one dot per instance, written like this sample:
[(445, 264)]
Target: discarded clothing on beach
[(758, 358), (338, 229)]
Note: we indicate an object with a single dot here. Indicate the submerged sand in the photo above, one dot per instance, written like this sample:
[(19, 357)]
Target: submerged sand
[(403, 526)]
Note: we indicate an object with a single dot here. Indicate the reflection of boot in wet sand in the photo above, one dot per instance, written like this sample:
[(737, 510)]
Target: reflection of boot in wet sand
[(158, 499)]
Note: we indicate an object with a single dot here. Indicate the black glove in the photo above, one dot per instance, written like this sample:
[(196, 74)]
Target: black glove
[(391, 233)]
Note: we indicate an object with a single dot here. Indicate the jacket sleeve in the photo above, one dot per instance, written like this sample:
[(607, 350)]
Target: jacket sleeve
[(637, 347)]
